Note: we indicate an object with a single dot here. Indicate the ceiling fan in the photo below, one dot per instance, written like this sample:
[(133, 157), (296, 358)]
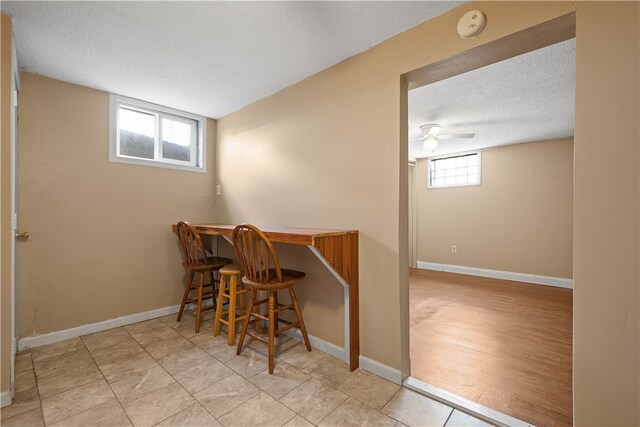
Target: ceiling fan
[(431, 134)]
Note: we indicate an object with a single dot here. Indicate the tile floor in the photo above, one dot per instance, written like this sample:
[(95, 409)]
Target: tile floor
[(160, 372)]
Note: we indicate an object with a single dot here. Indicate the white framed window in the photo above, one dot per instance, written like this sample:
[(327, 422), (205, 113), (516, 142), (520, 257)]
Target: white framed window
[(454, 170), (148, 134)]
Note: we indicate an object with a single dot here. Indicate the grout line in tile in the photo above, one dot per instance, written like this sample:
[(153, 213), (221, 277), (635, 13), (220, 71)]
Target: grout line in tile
[(39, 399), (164, 419), (176, 381), (55, 355), (105, 380), (101, 373), (394, 395), (335, 409), (367, 404), (447, 420), (37, 389), (162, 367), (190, 394), (73, 388), (285, 405)]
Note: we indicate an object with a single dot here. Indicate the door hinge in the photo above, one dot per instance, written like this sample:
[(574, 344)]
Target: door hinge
[(15, 98)]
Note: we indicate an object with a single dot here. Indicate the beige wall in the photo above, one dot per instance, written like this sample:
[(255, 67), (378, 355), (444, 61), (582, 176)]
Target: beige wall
[(5, 204), (101, 245), (519, 219), (326, 152), (606, 224)]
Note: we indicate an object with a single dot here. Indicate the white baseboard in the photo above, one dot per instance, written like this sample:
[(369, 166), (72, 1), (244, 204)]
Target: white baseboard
[(558, 282), (317, 343), (470, 407), (43, 339), (5, 399), (366, 364), (387, 372)]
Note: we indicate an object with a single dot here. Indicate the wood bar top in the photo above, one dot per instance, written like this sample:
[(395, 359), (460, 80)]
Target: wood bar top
[(292, 235)]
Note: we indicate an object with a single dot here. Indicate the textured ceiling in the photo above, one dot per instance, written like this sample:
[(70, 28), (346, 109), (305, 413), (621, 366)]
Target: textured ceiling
[(527, 98), (209, 58)]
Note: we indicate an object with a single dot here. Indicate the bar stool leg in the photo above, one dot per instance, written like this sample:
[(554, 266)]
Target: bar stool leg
[(219, 308), (244, 309), (277, 322), (272, 328), (243, 298), (245, 324), (232, 309), (186, 295), (259, 326), (256, 309), (296, 308), (199, 303), (213, 288)]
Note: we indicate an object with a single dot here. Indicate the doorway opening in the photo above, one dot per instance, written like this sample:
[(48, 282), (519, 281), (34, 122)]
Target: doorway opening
[(490, 229)]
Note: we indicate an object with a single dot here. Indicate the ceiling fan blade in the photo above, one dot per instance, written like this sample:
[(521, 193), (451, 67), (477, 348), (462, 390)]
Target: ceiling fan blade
[(416, 139), (430, 129), (455, 135)]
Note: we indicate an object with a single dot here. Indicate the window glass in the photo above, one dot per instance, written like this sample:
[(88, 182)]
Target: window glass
[(177, 137), (149, 134), (137, 133), (454, 170)]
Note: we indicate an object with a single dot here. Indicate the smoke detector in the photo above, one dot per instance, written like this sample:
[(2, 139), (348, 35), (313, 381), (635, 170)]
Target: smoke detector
[(471, 24)]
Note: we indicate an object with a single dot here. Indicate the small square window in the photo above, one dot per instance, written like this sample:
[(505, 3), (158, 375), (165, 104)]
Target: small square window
[(149, 134), (454, 171)]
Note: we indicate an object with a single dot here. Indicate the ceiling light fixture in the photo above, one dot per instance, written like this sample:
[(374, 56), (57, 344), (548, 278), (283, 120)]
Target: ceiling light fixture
[(431, 133), (430, 143)]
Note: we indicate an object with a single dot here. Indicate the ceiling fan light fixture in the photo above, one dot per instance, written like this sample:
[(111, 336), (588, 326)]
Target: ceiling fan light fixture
[(430, 143)]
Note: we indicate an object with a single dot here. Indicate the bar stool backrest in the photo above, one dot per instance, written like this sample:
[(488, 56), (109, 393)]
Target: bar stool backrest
[(257, 255), (193, 249)]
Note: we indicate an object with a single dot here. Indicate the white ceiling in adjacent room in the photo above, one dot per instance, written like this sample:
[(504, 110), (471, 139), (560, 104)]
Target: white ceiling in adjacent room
[(527, 98)]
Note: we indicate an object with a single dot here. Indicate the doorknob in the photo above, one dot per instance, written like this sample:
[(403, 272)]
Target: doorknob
[(22, 236)]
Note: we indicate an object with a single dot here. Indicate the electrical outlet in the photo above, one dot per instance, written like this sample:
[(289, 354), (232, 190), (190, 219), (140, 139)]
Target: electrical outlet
[(454, 249), (218, 190)]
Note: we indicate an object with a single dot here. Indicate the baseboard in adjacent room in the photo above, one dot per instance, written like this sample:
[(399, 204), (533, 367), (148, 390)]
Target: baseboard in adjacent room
[(51, 337), (559, 282), (5, 399)]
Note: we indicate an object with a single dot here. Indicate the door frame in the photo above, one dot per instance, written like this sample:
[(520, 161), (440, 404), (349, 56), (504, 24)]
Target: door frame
[(413, 215), (533, 38), (15, 88)]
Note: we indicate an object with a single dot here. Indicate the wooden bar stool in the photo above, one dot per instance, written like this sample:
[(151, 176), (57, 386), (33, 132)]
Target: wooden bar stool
[(257, 255), (197, 261), (231, 288)]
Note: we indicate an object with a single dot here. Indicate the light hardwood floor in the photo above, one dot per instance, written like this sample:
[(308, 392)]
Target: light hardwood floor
[(506, 345)]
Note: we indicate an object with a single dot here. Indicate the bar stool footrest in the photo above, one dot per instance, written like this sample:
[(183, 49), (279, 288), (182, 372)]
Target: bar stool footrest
[(258, 337)]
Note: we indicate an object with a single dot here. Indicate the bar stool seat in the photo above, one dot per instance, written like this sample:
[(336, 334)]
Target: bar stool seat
[(231, 288)]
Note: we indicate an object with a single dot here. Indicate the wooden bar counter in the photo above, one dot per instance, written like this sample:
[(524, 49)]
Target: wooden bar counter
[(337, 250)]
